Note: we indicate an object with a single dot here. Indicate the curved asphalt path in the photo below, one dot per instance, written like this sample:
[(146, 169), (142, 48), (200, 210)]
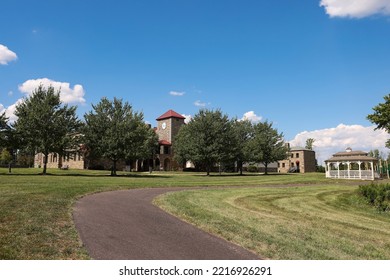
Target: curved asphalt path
[(125, 225)]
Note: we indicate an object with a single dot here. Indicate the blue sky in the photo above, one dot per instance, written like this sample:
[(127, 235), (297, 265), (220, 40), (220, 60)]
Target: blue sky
[(314, 68)]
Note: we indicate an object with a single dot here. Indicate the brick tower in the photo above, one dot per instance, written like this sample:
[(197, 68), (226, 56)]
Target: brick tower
[(168, 125)]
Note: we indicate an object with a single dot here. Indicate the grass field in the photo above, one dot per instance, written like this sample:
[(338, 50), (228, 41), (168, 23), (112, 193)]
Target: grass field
[(36, 211), (309, 222)]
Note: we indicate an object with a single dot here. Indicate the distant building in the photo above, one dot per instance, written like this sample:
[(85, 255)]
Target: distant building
[(351, 165), (168, 125), (299, 160), (70, 159)]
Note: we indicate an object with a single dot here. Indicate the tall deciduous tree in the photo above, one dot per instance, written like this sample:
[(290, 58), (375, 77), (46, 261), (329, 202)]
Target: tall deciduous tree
[(206, 140), (6, 158), (242, 133), (114, 131), (267, 145), (44, 122), (8, 141), (381, 116), (4, 127), (310, 143)]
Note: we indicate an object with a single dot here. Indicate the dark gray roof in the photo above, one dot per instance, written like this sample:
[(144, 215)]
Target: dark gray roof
[(298, 148)]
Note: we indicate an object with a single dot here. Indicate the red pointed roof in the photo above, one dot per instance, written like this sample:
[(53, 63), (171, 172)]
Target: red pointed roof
[(170, 114)]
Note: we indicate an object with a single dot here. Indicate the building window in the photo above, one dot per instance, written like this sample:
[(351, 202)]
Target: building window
[(166, 150), (283, 165), (292, 155), (297, 155), (292, 164)]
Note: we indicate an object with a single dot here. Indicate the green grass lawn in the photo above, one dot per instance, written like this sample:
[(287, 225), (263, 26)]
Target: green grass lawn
[(36, 211), (307, 222)]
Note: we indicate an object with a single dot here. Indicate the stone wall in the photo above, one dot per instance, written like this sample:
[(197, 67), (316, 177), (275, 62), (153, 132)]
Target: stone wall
[(305, 159), (71, 160)]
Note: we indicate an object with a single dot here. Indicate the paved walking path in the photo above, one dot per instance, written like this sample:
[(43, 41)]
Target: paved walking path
[(124, 225)]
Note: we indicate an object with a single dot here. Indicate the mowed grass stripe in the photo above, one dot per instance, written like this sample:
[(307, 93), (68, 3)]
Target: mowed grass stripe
[(311, 222)]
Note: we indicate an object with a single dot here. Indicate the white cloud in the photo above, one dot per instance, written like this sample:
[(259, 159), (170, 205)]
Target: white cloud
[(188, 118), (252, 117), (10, 110), (6, 55), (332, 140), (199, 103), (177, 93), (355, 8), (68, 94)]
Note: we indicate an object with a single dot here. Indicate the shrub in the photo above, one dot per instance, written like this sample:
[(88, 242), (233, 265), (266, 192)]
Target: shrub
[(377, 195), (320, 169), (252, 169)]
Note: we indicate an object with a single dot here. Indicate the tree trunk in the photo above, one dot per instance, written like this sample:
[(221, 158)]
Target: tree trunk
[(113, 171), (60, 161), (208, 170), (239, 163), (266, 168), (45, 163), (9, 167)]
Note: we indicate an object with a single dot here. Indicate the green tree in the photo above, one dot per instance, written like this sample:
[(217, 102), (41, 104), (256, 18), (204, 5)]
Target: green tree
[(116, 132), (150, 147), (6, 158), (381, 116), (8, 141), (206, 140), (267, 145), (374, 153), (310, 143), (4, 127), (44, 122), (242, 133)]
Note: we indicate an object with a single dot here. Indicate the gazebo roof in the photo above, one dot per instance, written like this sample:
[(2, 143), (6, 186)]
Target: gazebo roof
[(350, 155), (351, 158)]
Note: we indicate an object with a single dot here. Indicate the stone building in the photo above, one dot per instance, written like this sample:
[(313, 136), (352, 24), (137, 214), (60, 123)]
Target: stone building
[(70, 159), (168, 125), (299, 160)]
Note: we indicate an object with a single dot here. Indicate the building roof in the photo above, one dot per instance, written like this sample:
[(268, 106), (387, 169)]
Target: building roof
[(350, 155), (165, 143), (351, 158), (297, 148), (170, 114)]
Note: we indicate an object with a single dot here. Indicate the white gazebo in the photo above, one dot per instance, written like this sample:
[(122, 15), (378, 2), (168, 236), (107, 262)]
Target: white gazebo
[(352, 165)]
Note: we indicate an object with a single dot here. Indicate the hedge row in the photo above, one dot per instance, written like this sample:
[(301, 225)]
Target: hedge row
[(377, 195)]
